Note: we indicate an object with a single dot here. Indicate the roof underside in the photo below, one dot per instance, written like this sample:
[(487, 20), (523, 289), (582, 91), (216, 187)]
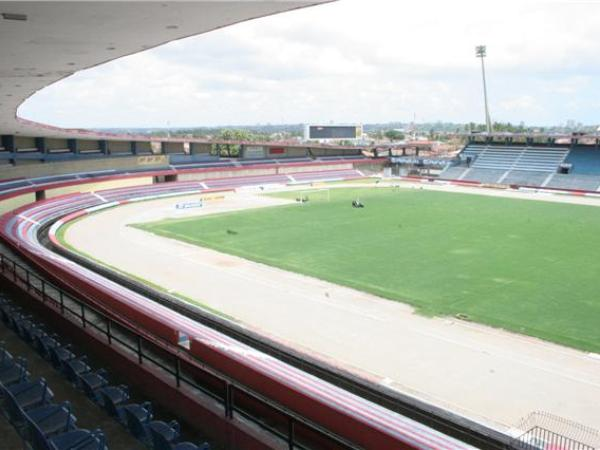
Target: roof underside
[(57, 39)]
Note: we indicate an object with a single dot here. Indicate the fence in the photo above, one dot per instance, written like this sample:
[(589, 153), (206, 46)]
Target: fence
[(236, 399), (546, 431)]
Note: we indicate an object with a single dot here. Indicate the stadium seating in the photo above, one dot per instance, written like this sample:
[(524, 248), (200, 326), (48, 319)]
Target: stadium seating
[(483, 175), (453, 172), (45, 425), (572, 181), (543, 159), (584, 161), (527, 166), (525, 178)]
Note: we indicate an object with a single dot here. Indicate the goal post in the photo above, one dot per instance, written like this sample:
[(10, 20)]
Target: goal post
[(313, 195)]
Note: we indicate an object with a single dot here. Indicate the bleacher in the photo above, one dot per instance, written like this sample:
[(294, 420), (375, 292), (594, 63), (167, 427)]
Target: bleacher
[(584, 161), (525, 178), (542, 159), (454, 172), (483, 175), (505, 164), (28, 402), (574, 181)]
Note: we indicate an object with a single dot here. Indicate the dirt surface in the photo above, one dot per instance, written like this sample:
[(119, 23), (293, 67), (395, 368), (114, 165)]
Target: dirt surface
[(487, 374)]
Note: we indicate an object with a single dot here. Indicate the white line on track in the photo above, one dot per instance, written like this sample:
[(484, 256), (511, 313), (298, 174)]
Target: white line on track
[(99, 197), (27, 219)]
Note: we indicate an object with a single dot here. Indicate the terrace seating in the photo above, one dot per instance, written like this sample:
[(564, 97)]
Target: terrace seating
[(573, 181), (483, 175), (164, 435), (61, 355), (70, 440), (91, 383), (525, 178), (542, 159), (45, 425), (76, 367), (584, 161), (453, 172), (138, 421), (26, 395), (163, 432), (14, 372), (112, 397)]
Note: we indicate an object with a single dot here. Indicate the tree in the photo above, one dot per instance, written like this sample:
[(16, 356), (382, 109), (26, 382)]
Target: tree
[(394, 135)]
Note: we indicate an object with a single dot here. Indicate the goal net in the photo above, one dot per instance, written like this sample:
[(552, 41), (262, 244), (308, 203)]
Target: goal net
[(313, 196)]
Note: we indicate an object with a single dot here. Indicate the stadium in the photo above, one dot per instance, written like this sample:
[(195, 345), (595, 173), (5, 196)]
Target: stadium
[(296, 296)]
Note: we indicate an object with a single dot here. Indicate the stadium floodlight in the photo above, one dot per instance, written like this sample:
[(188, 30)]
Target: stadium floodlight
[(481, 52)]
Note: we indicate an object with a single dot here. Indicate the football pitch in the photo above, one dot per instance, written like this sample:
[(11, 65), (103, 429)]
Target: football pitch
[(528, 266)]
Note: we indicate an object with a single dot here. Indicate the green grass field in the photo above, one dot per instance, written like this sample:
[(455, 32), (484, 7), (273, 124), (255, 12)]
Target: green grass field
[(527, 266)]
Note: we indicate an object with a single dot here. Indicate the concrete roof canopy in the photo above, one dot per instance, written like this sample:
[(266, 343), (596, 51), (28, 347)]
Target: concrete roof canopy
[(43, 42)]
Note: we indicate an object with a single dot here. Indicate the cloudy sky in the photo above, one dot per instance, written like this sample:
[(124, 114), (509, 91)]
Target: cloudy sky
[(352, 61)]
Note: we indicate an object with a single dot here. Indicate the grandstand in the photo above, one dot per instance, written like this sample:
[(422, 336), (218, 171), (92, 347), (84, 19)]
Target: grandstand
[(572, 167)]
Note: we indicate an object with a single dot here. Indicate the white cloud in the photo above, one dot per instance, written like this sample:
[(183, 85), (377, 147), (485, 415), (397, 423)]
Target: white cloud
[(349, 61)]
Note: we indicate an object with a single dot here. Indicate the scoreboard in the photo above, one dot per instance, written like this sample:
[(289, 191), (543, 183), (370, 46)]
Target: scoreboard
[(333, 132)]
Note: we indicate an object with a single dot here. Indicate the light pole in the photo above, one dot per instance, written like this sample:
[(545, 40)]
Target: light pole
[(480, 52)]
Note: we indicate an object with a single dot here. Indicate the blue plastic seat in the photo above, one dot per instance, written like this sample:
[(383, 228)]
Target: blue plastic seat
[(17, 320), (7, 310), (28, 329), (92, 382), (71, 440), (59, 356), (163, 434), (45, 343), (137, 419), (15, 372), (113, 396), (53, 419), (24, 396), (76, 367), (6, 359)]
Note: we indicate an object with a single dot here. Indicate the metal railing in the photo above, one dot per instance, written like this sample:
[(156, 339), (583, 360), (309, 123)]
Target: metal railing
[(235, 398), (539, 438)]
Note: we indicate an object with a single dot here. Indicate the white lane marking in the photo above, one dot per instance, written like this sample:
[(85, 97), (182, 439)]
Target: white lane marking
[(35, 222), (99, 197), (203, 184)]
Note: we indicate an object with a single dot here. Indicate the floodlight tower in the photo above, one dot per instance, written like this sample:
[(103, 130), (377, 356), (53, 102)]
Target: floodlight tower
[(480, 52)]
